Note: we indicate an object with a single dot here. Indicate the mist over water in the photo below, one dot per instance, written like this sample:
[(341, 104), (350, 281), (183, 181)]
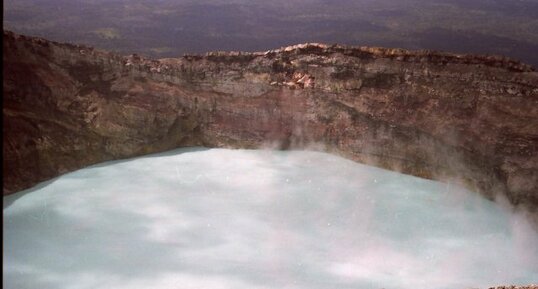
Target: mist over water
[(216, 218)]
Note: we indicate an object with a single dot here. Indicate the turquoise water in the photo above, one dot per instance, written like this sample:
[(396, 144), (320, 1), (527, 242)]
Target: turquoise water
[(217, 218)]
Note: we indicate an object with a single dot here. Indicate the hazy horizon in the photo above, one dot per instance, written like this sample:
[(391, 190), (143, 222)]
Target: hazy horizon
[(173, 28)]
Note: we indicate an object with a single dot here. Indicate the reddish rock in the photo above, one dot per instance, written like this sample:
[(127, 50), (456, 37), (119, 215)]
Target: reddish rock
[(436, 115)]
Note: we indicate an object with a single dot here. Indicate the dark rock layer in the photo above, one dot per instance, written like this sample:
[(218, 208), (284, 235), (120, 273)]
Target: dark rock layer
[(436, 115)]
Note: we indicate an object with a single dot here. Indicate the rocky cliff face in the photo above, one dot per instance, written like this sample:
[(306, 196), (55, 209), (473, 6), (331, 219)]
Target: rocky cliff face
[(431, 114)]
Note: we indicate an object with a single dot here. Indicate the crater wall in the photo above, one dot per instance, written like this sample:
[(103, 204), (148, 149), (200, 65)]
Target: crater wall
[(438, 115)]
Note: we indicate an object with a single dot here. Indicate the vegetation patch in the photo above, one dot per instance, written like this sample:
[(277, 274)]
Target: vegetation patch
[(108, 33)]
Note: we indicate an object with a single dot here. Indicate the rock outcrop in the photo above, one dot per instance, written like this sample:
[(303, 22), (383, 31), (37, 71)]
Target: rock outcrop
[(516, 287), (431, 114)]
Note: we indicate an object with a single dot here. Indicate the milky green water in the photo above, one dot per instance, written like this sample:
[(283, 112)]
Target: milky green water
[(216, 218)]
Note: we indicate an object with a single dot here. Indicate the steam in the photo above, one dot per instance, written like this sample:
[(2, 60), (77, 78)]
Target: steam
[(198, 218)]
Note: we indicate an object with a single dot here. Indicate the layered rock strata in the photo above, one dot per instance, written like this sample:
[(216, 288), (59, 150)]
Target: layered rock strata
[(437, 115)]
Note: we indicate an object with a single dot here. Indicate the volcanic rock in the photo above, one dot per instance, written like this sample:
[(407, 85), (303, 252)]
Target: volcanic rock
[(438, 115)]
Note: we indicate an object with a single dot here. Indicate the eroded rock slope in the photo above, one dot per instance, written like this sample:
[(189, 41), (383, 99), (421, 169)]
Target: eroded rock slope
[(431, 114)]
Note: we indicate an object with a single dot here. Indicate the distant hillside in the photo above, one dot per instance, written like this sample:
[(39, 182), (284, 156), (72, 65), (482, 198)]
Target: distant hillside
[(169, 28)]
